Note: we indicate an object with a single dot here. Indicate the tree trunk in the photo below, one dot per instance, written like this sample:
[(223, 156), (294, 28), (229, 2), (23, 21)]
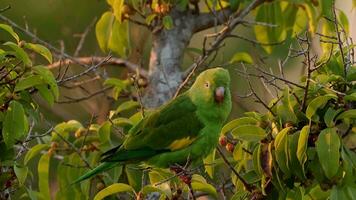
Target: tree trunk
[(166, 57)]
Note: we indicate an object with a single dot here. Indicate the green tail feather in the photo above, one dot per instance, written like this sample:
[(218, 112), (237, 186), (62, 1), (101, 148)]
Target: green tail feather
[(117, 158), (101, 168)]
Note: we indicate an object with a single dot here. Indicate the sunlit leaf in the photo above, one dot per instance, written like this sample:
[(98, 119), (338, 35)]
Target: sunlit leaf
[(303, 144), (149, 189), (205, 187), (117, 7), (113, 189), (318, 102), (20, 53), (43, 175), (127, 105), (209, 164), (9, 29), (328, 146), (40, 49), (21, 173), (29, 82), (238, 122), (281, 150), (35, 150), (343, 20), (150, 18), (241, 57), (249, 133), (103, 30), (351, 114)]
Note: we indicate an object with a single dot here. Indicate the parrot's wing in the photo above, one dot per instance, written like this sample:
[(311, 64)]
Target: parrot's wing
[(172, 127)]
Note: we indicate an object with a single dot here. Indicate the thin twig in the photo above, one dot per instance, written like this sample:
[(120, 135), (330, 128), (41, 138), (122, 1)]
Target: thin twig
[(96, 60), (76, 100), (82, 38), (247, 186), (236, 19)]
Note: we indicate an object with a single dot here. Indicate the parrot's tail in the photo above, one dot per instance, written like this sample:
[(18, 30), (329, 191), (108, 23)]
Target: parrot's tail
[(101, 168)]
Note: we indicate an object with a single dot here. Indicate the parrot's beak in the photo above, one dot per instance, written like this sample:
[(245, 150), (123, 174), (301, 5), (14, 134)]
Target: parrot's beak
[(219, 94)]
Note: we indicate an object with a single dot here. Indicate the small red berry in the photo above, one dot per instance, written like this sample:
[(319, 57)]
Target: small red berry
[(230, 147), (222, 140)]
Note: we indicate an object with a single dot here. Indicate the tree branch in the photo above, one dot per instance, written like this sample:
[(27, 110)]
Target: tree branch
[(234, 20), (211, 19), (95, 60)]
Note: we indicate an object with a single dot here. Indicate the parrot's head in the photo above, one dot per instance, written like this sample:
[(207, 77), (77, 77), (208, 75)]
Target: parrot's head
[(212, 88)]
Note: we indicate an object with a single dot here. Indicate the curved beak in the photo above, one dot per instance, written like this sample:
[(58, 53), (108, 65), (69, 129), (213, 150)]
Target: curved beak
[(219, 94)]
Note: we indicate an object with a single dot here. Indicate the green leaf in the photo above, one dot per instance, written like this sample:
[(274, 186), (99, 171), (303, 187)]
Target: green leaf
[(241, 57), (281, 150), (43, 176), (117, 7), (34, 151), (303, 145), (343, 20), (256, 159), (149, 189), (9, 29), (234, 4), (119, 40), (21, 173), (15, 124), (19, 53), (167, 22), (350, 114), (318, 102), (209, 163), (40, 49), (48, 77), (29, 82), (46, 93), (350, 97), (312, 18), (103, 30), (64, 128), (127, 105), (249, 133), (113, 189), (327, 30), (238, 122), (150, 18), (326, 8), (104, 136), (270, 13), (294, 165), (158, 175), (328, 146), (205, 187), (329, 117)]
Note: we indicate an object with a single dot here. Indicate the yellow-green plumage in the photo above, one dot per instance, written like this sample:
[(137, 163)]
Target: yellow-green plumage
[(187, 126)]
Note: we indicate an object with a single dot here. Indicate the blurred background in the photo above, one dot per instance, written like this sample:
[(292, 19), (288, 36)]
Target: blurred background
[(61, 22)]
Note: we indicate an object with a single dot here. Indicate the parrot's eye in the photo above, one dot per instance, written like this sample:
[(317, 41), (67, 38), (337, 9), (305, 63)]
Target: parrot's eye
[(207, 84)]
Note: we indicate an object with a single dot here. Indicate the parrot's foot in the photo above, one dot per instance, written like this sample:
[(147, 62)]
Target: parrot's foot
[(182, 173)]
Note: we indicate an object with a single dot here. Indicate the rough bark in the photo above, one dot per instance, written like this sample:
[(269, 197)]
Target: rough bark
[(166, 57), (167, 53)]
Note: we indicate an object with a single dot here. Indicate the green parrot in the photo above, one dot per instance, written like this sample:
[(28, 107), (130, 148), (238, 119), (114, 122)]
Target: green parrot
[(185, 128)]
